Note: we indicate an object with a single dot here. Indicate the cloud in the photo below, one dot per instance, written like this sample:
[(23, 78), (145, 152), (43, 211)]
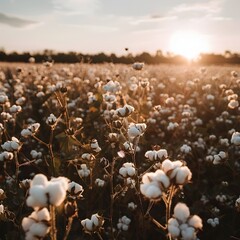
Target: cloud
[(16, 21), (71, 7), (153, 19), (213, 7)]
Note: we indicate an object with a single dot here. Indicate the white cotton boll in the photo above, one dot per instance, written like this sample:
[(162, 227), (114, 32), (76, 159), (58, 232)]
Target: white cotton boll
[(167, 165), (123, 171), (39, 179), (195, 221), (43, 214), (133, 132), (37, 196), (27, 223), (61, 180), (151, 155), (26, 132), (126, 220), (89, 225), (125, 227), (188, 234), (235, 139), (150, 190), (173, 227), (161, 177), (162, 153), (148, 177), (77, 187), (39, 229), (94, 219), (183, 175), (56, 193), (131, 171), (30, 236), (173, 222), (181, 212)]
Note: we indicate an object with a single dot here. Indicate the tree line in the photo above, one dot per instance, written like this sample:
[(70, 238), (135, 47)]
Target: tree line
[(128, 58)]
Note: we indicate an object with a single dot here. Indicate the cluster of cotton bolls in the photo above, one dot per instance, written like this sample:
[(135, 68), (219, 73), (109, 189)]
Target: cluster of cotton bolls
[(37, 224), (11, 146), (136, 130), (84, 171), (125, 111), (94, 224), (182, 225), (154, 155), (217, 158), (43, 192), (154, 183), (127, 170), (123, 223), (30, 130), (213, 221)]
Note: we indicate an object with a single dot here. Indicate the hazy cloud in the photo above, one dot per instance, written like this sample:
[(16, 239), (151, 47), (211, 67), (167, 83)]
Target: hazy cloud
[(16, 21), (153, 19), (213, 6), (75, 6)]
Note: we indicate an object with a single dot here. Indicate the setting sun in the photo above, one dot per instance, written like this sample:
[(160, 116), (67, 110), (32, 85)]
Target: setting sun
[(189, 44)]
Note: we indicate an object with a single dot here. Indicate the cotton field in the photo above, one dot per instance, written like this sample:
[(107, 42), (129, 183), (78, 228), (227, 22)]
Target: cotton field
[(119, 152)]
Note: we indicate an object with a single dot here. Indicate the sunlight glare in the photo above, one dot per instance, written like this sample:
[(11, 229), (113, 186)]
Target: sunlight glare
[(189, 44)]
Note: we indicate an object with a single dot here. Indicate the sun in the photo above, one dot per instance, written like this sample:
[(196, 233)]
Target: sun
[(189, 44)]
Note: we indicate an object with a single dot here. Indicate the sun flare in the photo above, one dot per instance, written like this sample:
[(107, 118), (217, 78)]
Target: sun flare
[(189, 44)]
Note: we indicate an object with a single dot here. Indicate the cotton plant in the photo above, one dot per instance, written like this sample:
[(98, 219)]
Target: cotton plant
[(44, 194), (93, 225), (182, 225)]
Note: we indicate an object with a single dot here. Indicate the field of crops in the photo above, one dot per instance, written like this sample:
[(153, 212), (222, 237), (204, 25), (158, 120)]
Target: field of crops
[(119, 152)]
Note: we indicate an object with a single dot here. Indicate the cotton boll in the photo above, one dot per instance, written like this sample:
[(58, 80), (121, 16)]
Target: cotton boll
[(27, 223), (62, 180), (167, 165), (30, 236), (183, 175), (150, 190), (195, 221), (148, 177), (125, 227), (56, 193), (37, 196), (94, 219), (123, 171), (181, 212), (235, 139), (39, 179), (161, 177), (188, 233), (43, 215), (173, 228), (39, 229), (89, 225), (162, 153)]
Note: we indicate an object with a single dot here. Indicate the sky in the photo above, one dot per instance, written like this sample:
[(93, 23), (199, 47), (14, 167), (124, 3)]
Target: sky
[(92, 26)]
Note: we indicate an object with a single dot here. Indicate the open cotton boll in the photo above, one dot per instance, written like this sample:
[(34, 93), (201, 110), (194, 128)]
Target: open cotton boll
[(188, 233), (37, 196), (39, 229), (89, 225), (235, 139), (161, 177), (183, 175), (27, 223), (125, 227), (150, 190), (39, 179), (95, 219), (181, 212), (162, 153), (30, 236), (174, 231), (43, 215), (195, 221), (56, 193), (62, 180), (148, 177), (167, 165)]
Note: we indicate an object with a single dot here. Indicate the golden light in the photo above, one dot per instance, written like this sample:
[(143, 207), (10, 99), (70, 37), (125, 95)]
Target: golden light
[(189, 44)]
